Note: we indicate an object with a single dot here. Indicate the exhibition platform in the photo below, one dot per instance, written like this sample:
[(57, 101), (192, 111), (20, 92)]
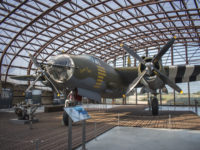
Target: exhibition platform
[(132, 138)]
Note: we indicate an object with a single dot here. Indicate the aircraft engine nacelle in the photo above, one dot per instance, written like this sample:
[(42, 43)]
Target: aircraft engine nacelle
[(60, 68), (150, 79)]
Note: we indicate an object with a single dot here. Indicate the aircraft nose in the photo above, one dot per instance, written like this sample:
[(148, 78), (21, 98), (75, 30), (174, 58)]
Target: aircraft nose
[(60, 68)]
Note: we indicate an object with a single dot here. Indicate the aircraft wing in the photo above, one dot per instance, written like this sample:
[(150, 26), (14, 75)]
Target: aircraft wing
[(128, 74), (26, 78), (183, 73)]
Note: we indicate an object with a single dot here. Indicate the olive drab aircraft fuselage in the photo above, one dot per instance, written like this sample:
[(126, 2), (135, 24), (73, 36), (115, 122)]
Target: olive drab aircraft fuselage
[(91, 76)]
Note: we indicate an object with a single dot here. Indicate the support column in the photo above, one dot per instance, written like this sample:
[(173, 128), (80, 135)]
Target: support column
[(174, 98), (124, 60), (104, 100), (172, 63), (186, 54), (172, 56), (113, 101), (160, 91), (189, 101), (186, 57), (136, 97), (134, 62), (124, 100), (147, 52)]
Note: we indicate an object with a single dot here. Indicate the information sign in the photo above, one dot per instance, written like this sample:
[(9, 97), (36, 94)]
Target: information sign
[(77, 113)]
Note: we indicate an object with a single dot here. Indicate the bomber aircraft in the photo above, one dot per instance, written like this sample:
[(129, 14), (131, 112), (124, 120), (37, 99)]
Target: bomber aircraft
[(95, 79)]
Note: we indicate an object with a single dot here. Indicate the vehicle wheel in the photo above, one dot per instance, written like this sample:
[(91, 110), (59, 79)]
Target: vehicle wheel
[(154, 105), (26, 117), (65, 118)]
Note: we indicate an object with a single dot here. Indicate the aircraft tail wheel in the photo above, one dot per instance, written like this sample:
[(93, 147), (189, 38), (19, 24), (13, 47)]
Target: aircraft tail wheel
[(154, 105), (65, 118)]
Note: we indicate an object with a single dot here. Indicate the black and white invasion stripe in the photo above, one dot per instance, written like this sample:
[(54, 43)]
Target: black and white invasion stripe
[(182, 73)]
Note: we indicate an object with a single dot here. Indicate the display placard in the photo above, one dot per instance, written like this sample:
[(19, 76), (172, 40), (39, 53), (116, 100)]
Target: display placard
[(77, 113)]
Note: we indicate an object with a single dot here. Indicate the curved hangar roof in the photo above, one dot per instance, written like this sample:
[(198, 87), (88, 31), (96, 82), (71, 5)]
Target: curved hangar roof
[(97, 27)]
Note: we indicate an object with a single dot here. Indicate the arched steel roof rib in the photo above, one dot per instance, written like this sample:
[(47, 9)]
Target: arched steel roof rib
[(112, 31), (35, 37), (126, 20), (29, 24), (150, 34), (85, 42), (112, 25), (178, 17), (13, 11), (36, 54), (96, 27), (190, 18), (96, 17), (61, 34)]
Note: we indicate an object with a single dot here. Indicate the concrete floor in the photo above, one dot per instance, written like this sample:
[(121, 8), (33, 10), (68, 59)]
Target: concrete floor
[(131, 138)]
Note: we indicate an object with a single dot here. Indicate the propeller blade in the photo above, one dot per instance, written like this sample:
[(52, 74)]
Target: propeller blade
[(33, 83), (35, 62), (46, 76), (24, 77), (135, 82), (166, 80), (132, 53), (164, 50)]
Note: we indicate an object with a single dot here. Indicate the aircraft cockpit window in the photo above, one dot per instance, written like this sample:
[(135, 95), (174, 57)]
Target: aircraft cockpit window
[(92, 59), (96, 61)]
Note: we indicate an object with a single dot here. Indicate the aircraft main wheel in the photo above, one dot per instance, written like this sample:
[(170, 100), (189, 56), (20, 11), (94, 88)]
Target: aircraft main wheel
[(154, 105), (26, 117), (65, 118)]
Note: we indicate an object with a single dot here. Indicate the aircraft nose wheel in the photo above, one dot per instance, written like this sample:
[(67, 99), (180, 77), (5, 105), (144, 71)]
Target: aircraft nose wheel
[(154, 105)]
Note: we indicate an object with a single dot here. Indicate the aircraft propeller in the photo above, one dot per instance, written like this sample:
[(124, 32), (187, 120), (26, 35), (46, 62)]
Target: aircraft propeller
[(42, 72), (150, 68)]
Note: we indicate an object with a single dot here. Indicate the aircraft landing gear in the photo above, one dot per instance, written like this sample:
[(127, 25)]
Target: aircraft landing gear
[(154, 106), (65, 118)]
